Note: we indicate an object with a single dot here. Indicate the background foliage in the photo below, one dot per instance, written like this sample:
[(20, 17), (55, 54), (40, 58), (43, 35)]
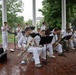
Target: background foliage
[(13, 8), (52, 12)]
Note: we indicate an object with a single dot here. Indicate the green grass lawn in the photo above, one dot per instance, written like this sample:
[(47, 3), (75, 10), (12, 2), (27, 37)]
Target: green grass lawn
[(10, 38)]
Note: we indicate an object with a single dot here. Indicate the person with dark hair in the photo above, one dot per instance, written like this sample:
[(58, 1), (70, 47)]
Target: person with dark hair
[(71, 44), (43, 27), (56, 45), (36, 51), (5, 29), (49, 46), (19, 32), (38, 30), (26, 25)]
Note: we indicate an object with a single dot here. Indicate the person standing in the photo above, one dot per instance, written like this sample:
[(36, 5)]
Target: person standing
[(5, 29), (19, 32), (44, 26), (27, 25)]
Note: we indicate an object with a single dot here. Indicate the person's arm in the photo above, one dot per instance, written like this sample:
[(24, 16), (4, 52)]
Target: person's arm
[(37, 40), (3, 28)]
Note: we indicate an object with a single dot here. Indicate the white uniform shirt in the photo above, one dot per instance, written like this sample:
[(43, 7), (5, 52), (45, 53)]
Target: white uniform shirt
[(19, 32), (43, 27), (27, 26), (65, 34), (74, 35), (55, 38), (4, 32), (24, 40)]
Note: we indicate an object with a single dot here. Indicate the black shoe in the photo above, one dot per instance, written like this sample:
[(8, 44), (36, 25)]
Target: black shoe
[(61, 54)]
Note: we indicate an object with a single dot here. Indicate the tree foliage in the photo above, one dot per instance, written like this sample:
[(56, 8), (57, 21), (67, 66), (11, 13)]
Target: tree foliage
[(71, 10), (52, 11), (29, 22), (13, 8)]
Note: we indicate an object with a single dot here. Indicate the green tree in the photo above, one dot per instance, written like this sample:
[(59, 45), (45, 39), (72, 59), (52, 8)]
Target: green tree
[(52, 11), (29, 22), (13, 8), (71, 11)]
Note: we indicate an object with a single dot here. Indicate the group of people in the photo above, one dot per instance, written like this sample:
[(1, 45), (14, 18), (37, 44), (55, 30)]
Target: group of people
[(39, 51)]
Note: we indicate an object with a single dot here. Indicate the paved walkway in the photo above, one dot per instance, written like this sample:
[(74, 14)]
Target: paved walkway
[(58, 66)]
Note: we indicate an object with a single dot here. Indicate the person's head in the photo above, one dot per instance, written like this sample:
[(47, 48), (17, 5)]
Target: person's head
[(38, 30), (26, 24), (55, 31), (42, 32), (5, 23), (18, 25), (27, 31), (43, 23), (68, 30), (59, 30)]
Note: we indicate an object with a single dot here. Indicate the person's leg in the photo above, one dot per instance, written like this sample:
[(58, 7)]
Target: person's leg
[(50, 48), (18, 38), (74, 42), (35, 54), (71, 44), (4, 42), (58, 48), (44, 52), (39, 50)]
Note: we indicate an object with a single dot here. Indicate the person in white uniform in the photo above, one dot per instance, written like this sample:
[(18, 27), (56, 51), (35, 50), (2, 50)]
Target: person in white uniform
[(19, 32), (27, 25), (74, 37), (58, 48), (38, 30), (24, 40), (49, 46), (5, 29), (43, 27), (71, 44)]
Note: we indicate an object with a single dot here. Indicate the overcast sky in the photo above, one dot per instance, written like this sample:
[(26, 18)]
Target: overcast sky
[(27, 13)]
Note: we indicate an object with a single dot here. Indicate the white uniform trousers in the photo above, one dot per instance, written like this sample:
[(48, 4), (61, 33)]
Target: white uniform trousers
[(49, 47), (36, 53), (70, 44), (74, 42), (5, 41), (58, 48), (18, 37)]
